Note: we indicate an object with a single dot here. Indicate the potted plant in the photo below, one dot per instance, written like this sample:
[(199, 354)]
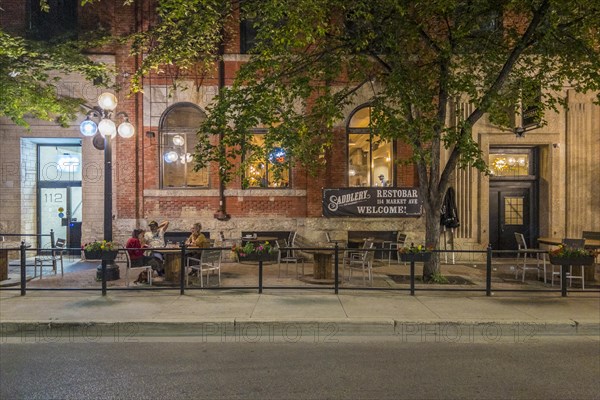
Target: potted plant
[(565, 255), (416, 253), (103, 250), (256, 252)]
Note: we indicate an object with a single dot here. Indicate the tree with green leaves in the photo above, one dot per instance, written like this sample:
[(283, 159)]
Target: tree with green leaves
[(29, 71), (416, 58)]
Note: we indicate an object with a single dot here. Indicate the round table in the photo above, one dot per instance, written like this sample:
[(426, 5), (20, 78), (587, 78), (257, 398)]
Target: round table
[(322, 265), (172, 262)]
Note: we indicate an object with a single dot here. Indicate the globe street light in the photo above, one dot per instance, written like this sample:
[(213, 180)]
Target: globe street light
[(107, 103)]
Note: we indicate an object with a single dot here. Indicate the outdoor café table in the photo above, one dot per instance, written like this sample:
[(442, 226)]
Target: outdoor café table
[(589, 244), (172, 262), (322, 265), (4, 246), (259, 239)]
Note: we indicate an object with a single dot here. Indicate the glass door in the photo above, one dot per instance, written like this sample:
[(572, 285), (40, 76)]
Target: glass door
[(60, 197), (53, 212)]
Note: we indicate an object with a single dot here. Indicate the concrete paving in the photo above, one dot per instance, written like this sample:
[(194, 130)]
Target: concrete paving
[(283, 313), (289, 313)]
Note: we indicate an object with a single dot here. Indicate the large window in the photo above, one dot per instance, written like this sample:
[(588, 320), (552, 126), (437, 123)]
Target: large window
[(247, 36), (178, 128), (60, 19), (370, 160), (271, 172), (512, 163)]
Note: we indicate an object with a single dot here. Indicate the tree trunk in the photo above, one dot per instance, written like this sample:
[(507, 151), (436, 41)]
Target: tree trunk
[(432, 239)]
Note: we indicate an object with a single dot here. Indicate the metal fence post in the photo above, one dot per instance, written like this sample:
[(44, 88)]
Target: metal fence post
[(182, 269), (488, 271), (260, 276), (104, 262), (23, 270), (412, 274), (563, 280), (336, 267)]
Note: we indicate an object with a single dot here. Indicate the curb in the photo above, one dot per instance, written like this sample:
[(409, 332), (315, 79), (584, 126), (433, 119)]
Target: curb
[(315, 331)]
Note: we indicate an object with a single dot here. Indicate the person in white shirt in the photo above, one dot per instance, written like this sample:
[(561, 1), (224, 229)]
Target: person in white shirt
[(382, 180), (155, 238)]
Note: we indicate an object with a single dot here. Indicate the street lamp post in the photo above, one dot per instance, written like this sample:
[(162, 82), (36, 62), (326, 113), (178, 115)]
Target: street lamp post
[(107, 103)]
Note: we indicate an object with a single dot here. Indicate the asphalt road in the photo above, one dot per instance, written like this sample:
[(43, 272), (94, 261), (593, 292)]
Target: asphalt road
[(555, 368)]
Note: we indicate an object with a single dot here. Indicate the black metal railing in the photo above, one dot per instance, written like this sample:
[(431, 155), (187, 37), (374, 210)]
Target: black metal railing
[(183, 252)]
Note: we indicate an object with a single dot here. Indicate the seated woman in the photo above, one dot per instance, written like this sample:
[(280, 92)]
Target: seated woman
[(197, 239), (136, 255)]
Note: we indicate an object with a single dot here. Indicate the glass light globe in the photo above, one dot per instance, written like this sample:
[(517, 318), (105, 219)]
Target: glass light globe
[(126, 130), (170, 157), (178, 140), (88, 128), (107, 101), (107, 127), (186, 158)]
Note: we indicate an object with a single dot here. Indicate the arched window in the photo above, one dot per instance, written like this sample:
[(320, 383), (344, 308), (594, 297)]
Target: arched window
[(178, 127), (370, 161)]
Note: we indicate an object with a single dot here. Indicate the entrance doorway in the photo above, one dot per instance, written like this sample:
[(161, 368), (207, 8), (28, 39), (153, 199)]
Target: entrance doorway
[(60, 199), (513, 197)]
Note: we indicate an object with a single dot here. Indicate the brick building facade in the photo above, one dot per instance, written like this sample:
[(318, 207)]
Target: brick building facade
[(566, 153)]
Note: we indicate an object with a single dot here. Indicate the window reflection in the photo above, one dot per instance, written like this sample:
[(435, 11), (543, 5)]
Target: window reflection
[(512, 164), (271, 172), (178, 141)]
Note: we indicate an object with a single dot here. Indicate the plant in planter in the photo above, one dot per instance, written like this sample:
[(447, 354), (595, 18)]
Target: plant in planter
[(416, 253), (255, 252), (565, 255), (103, 250)]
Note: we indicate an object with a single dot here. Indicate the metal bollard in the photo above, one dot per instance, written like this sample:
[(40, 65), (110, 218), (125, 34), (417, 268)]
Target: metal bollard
[(182, 269), (23, 269), (488, 271), (336, 267)]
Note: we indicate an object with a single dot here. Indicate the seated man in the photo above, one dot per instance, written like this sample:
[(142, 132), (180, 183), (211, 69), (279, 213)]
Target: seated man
[(156, 239)]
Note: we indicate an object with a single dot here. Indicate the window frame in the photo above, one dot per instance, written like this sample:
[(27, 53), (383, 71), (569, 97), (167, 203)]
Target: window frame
[(252, 134), (353, 131), (61, 19), (186, 132), (247, 36)]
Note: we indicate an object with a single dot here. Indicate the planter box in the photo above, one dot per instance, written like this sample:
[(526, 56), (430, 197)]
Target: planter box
[(583, 260), (418, 257), (101, 255), (258, 257)]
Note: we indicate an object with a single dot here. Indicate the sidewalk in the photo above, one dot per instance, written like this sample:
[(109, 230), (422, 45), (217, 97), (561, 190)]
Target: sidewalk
[(292, 315)]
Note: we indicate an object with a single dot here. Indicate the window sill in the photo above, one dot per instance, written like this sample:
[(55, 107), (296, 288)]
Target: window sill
[(271, 192)]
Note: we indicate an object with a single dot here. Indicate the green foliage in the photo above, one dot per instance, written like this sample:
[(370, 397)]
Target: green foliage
[(101, 246), (188, 37), (29, 77), (563, 251), (412, 249), (251, 248), (413, 60), (437, 277)]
